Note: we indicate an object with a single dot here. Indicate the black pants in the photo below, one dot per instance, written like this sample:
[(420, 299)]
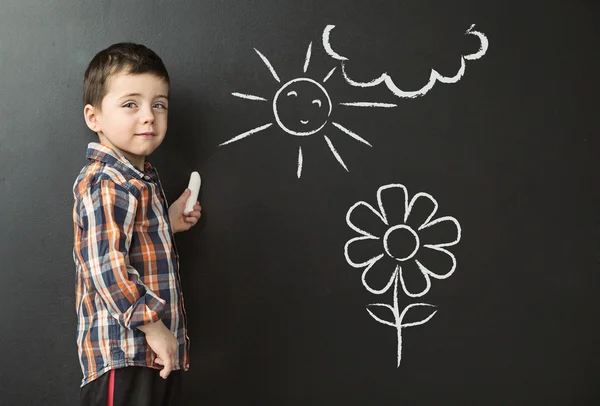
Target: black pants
[(133, 386)]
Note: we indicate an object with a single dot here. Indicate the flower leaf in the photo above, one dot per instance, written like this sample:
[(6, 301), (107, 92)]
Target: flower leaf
[(387, 323), (421, 320)]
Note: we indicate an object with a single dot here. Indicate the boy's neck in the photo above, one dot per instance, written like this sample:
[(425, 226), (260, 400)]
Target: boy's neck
[(136, 160)]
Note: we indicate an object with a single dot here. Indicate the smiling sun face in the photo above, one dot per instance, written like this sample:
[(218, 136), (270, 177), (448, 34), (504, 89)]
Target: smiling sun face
[(302, 107)]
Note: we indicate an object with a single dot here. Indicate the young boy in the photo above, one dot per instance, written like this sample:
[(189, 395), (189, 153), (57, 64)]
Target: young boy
[(131, 322)]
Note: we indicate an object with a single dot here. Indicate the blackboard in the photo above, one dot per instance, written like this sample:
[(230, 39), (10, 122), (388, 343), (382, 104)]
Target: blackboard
[(503, 139)]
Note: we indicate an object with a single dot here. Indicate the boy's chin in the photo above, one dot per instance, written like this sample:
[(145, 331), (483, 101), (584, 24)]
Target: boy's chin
[(137, 151), (145, 146)]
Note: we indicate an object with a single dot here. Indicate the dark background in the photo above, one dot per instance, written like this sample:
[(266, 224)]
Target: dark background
[(277, 316)]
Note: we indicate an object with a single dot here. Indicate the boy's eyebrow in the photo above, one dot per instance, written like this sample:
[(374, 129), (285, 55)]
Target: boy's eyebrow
[(138, 94)]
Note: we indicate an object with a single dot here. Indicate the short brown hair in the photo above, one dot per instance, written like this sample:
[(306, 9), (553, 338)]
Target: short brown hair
[(124, 57)]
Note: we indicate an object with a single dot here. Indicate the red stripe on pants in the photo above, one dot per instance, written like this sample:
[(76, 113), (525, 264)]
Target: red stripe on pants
[(111, 387)]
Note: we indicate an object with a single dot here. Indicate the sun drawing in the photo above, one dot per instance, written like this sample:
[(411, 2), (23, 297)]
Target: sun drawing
[(302, 108)]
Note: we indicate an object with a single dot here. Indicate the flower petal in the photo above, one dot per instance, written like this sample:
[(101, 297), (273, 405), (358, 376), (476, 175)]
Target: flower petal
[(442, 229), (421, 210), (415, 282), (439, 263), (362, 217), (381, 269), (363, 250), (393, 203)]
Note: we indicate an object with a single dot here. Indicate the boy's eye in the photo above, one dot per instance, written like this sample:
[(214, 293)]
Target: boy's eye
[(159, 105), (129, 105)]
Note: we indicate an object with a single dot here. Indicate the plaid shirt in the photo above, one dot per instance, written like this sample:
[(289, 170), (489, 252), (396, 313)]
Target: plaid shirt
[(126, 262)]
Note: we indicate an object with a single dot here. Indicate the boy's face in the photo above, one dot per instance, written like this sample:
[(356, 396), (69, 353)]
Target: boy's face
[(133, 115)]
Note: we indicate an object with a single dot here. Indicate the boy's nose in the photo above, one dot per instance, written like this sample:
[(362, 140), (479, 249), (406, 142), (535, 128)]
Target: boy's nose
[(147, 116)]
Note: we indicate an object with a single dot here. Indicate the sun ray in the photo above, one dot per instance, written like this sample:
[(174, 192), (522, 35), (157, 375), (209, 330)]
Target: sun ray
[(335, 153), (307, 57), (369, 104), (351, 134), (266, 61), (248, 96), (329, 74), (300, 161), (247, 133)]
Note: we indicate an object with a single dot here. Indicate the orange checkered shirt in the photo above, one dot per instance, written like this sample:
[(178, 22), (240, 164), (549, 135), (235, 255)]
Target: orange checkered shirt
[(126, 262)]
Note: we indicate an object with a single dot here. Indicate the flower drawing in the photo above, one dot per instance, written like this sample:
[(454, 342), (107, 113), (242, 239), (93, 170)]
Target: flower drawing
[(400, 241), (391, 258)]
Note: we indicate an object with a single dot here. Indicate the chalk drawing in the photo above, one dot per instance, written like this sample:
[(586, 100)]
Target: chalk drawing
[(389, 82), (303, 86), (302, 107), (415, 253), (398, 318)]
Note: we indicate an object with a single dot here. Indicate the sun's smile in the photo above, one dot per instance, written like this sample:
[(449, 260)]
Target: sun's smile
[(302, 107)]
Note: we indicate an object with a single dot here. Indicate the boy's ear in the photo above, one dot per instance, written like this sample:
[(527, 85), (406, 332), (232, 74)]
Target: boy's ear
[(90, 113)]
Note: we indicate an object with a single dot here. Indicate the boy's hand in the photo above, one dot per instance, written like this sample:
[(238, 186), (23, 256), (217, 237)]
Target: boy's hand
[(163, 343), (179, 222)]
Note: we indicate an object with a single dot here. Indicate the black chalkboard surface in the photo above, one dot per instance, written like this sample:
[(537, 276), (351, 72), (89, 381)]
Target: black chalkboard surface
[(400, 198)]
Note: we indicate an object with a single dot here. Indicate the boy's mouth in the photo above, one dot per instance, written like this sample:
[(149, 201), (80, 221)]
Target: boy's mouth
[(146, 135)]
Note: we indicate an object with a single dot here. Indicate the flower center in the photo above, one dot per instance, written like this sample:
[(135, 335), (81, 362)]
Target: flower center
[(401, 242)]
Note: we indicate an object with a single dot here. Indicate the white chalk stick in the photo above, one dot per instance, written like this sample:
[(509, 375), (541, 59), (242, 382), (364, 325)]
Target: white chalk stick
[(194, 186)]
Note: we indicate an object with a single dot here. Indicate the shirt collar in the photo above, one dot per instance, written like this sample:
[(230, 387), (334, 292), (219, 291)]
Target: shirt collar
[(110, 156)]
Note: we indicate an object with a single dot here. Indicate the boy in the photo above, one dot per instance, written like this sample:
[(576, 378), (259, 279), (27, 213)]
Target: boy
[(131, 328)]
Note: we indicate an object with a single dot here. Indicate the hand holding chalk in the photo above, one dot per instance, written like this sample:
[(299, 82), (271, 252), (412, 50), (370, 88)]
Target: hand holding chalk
[(194, 186)]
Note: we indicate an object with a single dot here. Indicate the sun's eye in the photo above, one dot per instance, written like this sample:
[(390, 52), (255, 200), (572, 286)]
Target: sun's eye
[(292, 93), (317, 102)]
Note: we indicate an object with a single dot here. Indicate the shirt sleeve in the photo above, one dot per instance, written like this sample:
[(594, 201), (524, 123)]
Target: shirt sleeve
[(111, 210)]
